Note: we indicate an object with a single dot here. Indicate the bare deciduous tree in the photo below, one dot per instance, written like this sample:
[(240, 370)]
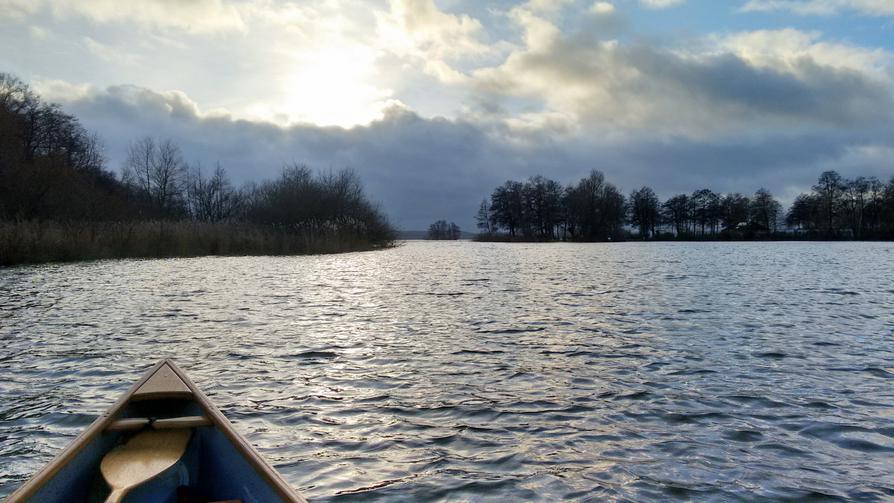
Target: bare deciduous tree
[(155, 169), (213, 199)]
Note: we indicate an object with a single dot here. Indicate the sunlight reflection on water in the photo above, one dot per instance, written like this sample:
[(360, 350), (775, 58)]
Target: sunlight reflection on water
[(465, 370)]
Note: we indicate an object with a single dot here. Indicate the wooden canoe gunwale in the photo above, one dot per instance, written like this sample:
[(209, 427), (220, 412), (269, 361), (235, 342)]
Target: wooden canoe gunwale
[(223, 424), (218, 420), (27, 490)]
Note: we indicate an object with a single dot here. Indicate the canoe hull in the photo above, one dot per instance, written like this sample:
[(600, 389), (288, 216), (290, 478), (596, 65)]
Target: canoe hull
[(218, 464)]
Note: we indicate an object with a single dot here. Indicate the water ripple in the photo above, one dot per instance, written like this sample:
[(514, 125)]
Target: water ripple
[(465, 371)]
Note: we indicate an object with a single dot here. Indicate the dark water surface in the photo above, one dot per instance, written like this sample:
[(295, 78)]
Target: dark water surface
[(465, 371)]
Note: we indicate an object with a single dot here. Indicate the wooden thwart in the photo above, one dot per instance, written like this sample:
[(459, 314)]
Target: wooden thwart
[(168, 423), (144, 456)]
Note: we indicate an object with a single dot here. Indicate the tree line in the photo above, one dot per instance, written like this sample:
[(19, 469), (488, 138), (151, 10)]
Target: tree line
[(541, 209), (55, 186), (862, 208)]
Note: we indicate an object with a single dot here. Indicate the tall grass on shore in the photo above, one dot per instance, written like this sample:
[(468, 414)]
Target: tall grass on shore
[(24, 242)]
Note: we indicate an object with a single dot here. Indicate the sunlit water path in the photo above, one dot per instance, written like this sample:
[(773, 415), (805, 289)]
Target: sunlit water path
[(458, 371)]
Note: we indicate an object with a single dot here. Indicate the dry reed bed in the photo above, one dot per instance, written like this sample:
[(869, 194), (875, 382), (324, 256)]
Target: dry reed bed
[(29, 242)]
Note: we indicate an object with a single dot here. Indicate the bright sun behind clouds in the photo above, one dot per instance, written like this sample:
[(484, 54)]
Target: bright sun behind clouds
[(333, 86)]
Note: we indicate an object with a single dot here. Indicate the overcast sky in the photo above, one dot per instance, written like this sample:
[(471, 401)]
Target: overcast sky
[(436, 103)]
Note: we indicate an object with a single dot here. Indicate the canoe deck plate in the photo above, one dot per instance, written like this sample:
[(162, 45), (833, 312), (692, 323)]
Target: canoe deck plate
[(164, 383)]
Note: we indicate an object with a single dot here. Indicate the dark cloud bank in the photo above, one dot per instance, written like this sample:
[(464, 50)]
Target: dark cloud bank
[(421, 170)]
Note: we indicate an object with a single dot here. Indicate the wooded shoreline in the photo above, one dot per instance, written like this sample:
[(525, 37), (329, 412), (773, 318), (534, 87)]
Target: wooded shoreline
[(60, 202), (540, 209), (633, 238)]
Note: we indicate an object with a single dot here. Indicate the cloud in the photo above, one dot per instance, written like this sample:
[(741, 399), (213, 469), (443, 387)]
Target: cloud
[(420, 28), (420, 169), (602, 8), (548, 7), (56, 90), (439, 42), (18, 9), (786, 49), (38, 33), (822, 7), (195, 16), (661, 4), (109, 53), (739, 82), (319, 62), (423, 169), (336, 64)]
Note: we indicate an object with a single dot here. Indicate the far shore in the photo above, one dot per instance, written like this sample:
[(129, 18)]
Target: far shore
[(775, 237)]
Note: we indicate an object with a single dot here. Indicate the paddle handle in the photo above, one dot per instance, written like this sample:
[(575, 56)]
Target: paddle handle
[(117, 495)]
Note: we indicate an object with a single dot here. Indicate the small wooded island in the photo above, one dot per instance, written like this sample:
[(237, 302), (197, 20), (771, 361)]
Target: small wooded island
[(441, 231), (59, 202)]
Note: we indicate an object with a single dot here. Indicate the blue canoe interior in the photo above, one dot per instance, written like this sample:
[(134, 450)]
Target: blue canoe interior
[(217, 465)]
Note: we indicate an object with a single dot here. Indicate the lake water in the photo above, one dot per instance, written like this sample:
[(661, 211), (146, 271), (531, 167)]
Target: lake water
[(471, 371)]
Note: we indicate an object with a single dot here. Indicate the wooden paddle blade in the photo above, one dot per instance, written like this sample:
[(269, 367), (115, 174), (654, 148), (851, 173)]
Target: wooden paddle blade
[(143, 457)]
